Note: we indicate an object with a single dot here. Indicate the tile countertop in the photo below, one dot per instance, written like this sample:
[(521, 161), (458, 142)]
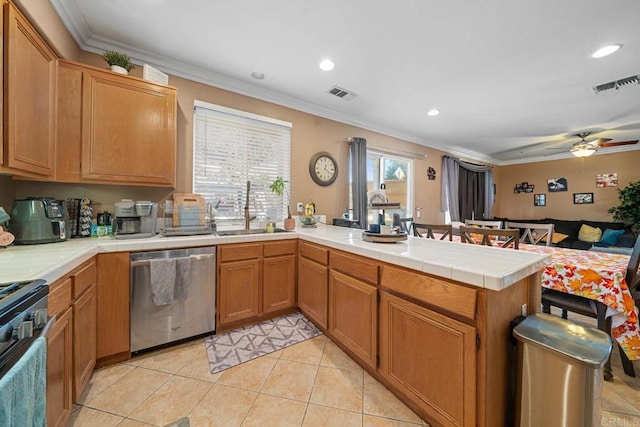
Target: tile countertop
[(482, 266)]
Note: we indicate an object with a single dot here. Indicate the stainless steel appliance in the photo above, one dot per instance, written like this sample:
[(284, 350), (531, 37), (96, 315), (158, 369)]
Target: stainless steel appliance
[(135, 220), (23, 318), (173, 295), (38, 220)]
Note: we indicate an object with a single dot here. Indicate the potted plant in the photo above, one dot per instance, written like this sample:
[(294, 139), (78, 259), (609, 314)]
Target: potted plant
[(629, 208), (279, 187), (119, 62)]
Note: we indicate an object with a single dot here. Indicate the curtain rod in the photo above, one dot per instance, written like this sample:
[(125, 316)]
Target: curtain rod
[(407, 153)]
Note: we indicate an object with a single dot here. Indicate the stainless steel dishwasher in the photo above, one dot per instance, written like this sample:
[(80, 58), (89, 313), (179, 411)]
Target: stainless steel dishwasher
[(173, 295)]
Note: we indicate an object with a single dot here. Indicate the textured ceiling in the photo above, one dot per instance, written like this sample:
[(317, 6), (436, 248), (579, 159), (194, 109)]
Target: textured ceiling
[(512, 78)]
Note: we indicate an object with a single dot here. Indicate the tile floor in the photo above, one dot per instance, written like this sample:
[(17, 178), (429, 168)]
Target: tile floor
[(312, 383)]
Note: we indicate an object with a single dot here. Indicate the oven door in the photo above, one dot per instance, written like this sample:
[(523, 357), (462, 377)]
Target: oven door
[(11, 355)]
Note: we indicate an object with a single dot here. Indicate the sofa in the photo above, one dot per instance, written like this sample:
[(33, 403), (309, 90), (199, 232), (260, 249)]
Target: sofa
[(571, 229)]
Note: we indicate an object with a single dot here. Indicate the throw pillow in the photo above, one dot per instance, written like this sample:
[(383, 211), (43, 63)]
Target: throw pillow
[(610, 237), (589, 234), (558, 237)]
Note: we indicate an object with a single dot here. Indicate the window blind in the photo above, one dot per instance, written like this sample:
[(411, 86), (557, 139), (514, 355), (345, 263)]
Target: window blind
[(231, 147)]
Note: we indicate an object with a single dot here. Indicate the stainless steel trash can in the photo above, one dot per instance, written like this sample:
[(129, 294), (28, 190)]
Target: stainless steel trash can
[(559, 377)]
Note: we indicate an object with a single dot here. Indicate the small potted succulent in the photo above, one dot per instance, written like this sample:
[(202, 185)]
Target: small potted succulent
[(119, 62), (279, 187)]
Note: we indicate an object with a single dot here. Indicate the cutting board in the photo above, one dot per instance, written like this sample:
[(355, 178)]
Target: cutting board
[(188, 210)]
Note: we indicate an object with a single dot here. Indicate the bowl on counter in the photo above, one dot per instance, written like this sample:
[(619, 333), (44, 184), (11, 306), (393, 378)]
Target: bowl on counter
[(309, 220)]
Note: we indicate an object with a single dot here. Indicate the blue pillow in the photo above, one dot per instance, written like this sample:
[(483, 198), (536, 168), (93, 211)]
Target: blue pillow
[(610, 237)]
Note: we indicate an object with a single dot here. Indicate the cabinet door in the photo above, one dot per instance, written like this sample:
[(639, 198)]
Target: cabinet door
[(69, 122), (59, 375), (30, 89), (431, 358), (112, 340), (313, 282), (239, 291), (84, 339), (353, 315), (128, 130), (279, 283)]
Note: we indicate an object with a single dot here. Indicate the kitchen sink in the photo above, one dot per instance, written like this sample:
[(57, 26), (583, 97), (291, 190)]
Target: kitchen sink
[(244, 232)]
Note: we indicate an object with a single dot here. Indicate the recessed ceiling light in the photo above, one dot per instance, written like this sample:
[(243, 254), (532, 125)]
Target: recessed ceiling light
[(257, 75), (607, 50), (433, 112), (327, 65)]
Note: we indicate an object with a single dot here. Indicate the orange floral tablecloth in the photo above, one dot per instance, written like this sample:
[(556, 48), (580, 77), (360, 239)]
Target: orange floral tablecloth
[(598, 276)]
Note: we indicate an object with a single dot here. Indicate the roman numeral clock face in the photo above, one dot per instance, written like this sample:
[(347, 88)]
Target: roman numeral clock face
[(323, 168)]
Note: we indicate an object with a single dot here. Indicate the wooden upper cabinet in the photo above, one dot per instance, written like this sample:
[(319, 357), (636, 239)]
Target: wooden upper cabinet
[(128, 130), (69, 122), (30, 98)]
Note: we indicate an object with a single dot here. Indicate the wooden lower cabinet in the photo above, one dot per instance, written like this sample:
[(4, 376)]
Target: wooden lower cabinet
[(279, 283), (238, 291), (59, 365), (313, 294), (113, 342), (353, 315), (430, 358), (256, 281), (84, 339)]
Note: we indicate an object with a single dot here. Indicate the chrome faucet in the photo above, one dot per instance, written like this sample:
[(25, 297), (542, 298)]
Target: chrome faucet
[(247, 217)]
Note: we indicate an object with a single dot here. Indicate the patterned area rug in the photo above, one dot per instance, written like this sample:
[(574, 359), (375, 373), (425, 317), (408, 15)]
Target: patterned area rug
[(244, 344)]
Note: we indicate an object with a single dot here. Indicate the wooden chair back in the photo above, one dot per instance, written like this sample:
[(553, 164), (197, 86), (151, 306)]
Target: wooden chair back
[(533, 233), (426, 230), (406, 224), (490, 236), (632, 277), (483, 224)]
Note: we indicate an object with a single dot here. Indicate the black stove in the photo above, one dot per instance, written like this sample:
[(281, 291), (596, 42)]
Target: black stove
[(23, 317)]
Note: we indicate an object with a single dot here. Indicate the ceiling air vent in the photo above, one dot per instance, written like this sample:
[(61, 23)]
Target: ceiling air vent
[(342, 93), (617, 84)]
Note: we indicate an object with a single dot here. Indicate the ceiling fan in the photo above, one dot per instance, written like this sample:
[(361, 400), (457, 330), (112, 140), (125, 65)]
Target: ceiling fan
[(584, 148)]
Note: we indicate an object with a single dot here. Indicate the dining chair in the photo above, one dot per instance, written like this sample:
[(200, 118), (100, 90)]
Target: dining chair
[(426, 230), (533, 233), (482, 223), (502, 238), (581, 305), (406, 224)]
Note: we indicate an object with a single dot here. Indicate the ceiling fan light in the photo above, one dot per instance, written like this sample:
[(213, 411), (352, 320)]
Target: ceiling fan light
[(583, 151)]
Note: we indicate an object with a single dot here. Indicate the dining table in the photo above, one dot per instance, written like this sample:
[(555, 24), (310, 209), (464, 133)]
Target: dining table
[(599, 276)]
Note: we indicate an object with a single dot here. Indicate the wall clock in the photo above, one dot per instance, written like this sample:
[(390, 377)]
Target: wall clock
[(323, 168)]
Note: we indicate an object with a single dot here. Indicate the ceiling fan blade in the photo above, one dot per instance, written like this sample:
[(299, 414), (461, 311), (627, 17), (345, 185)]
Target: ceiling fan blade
[(617, 143)]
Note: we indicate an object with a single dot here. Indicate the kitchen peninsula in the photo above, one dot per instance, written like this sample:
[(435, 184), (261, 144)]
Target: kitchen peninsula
[(429, 319)]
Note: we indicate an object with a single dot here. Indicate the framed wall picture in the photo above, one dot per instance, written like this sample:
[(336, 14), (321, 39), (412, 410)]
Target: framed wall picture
[(557, 184), (606, 180), (539, 200), (582, 198)]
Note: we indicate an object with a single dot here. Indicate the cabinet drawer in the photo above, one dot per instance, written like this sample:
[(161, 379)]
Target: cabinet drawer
[(59, 297), (315, 253), (355, 266), (455, 298), (285, 247), (84, 278), (239, 252)]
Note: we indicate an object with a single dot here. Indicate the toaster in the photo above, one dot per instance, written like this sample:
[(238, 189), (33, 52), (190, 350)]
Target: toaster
[(38, 220)]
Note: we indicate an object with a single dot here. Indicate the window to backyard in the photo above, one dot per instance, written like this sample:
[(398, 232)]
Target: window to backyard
[(396, 173), (231, 147)]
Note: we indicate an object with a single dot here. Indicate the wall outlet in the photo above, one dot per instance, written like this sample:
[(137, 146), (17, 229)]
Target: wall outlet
[(523, 309), (299, 207)]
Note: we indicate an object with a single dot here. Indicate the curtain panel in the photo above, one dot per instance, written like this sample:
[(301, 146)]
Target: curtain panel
[(358, 158), (467, 189)]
